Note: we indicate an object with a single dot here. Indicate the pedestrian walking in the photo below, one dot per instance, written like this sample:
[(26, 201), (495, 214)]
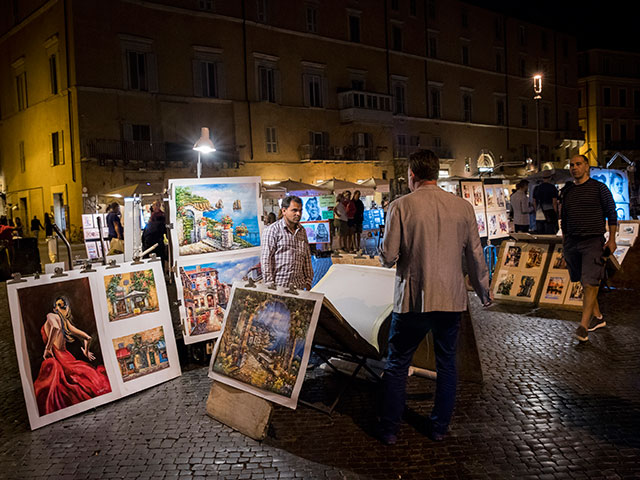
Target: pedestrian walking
[(358, 219), (545, 199), (586, 206), (286, 257), (521, 207), (19, 228), (36, 226), (48, 225), (429, 232)]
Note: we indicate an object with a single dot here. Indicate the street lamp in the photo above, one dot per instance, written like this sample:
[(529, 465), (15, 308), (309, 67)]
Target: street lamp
[(537, 89), (203, 145)]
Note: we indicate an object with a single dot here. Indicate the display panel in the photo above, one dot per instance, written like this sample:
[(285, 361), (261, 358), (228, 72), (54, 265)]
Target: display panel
[(318, 208), (317, 232), (618, 183)]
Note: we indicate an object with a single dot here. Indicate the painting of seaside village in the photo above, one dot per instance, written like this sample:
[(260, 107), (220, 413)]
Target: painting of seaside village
[(266, 342), (141, 353), (206, 288), (130, 294), (217, 217)]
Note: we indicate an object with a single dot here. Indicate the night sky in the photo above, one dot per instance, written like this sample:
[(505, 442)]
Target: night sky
[(595, 23)]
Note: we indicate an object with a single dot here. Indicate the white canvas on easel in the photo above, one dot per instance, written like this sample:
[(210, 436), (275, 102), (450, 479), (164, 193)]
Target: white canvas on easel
[(362, 295)]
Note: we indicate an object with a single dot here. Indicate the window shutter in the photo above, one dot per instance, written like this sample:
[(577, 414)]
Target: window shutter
[(220, 79), (197, 78), (152, 69), (127, 132), (325, 91), (276, 85), (325, 139), (125, 70), (51, 149), (305, 89), (61, 147)]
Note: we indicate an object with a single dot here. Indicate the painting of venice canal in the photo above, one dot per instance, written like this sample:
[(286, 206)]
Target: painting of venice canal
[(264, 340), (217, 217)]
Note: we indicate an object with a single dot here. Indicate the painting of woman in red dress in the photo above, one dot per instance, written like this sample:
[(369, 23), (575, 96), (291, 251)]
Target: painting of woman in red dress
[(62, 343), (63, 380)]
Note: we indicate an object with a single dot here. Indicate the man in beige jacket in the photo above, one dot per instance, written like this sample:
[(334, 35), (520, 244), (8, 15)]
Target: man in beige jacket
[(429, 234)]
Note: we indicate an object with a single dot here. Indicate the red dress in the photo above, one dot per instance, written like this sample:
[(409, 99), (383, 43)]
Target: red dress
[(64, 381)]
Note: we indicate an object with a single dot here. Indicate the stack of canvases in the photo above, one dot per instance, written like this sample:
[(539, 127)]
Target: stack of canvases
[(87, 337), (264, 335)]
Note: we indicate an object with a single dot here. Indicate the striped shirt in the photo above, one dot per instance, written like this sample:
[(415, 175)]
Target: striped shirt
[(585, 207), (286, 258)]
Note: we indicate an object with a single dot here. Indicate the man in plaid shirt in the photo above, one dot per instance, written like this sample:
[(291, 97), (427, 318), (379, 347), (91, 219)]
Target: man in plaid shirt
[(286, 258)]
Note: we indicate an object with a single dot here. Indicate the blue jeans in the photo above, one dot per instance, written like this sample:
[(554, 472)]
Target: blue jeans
[(407, 331)]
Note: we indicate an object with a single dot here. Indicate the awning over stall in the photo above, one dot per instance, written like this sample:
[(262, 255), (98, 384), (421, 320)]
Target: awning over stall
[(139, 189), (378, 184)]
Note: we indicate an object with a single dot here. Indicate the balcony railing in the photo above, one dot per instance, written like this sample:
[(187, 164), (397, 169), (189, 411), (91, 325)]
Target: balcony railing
[(622, 145), (346, 153), (141, 155), (359, 106), (403, 151), (127, 153)]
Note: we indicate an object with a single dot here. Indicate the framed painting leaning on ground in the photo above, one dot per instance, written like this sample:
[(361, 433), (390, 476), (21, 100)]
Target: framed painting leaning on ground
[(266, 342), (60, 347)]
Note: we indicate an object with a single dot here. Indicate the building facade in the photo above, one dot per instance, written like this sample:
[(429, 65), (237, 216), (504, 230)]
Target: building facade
[(609, 107), (97, 95)]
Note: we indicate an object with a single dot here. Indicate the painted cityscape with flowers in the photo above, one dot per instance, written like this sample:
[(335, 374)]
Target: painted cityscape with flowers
[(130, 294)]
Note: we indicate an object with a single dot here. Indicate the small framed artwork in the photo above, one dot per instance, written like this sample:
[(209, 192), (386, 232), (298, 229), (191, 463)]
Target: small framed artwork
[(477, 195), (535, 256), (555, 287), (489, 196), (499, 191), (512, 255), (482, 224), (620, 253), (493, 224), (628, 229), (574, 294), (504, 285), (525, 287), (503, 224), (557, 260)]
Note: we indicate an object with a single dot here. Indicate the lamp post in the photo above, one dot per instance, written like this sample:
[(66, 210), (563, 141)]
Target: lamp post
[(203, 145), (537, 90)]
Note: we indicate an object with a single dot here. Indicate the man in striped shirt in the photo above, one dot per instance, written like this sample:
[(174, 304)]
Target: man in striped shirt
[(286, 258), (585, 206)]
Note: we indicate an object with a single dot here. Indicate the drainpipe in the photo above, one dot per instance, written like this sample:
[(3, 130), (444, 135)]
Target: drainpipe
[(69, 99), (246, 77)]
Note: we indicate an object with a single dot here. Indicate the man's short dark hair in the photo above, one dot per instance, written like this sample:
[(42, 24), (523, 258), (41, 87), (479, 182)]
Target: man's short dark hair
[(286, 201), (424, 164), (583, 157)]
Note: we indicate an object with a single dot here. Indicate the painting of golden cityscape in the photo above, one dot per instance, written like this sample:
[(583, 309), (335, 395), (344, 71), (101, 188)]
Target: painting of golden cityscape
[(141, 353), (130, 294)]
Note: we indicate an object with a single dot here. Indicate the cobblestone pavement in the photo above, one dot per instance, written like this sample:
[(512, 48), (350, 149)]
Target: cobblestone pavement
[(549, 408)]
